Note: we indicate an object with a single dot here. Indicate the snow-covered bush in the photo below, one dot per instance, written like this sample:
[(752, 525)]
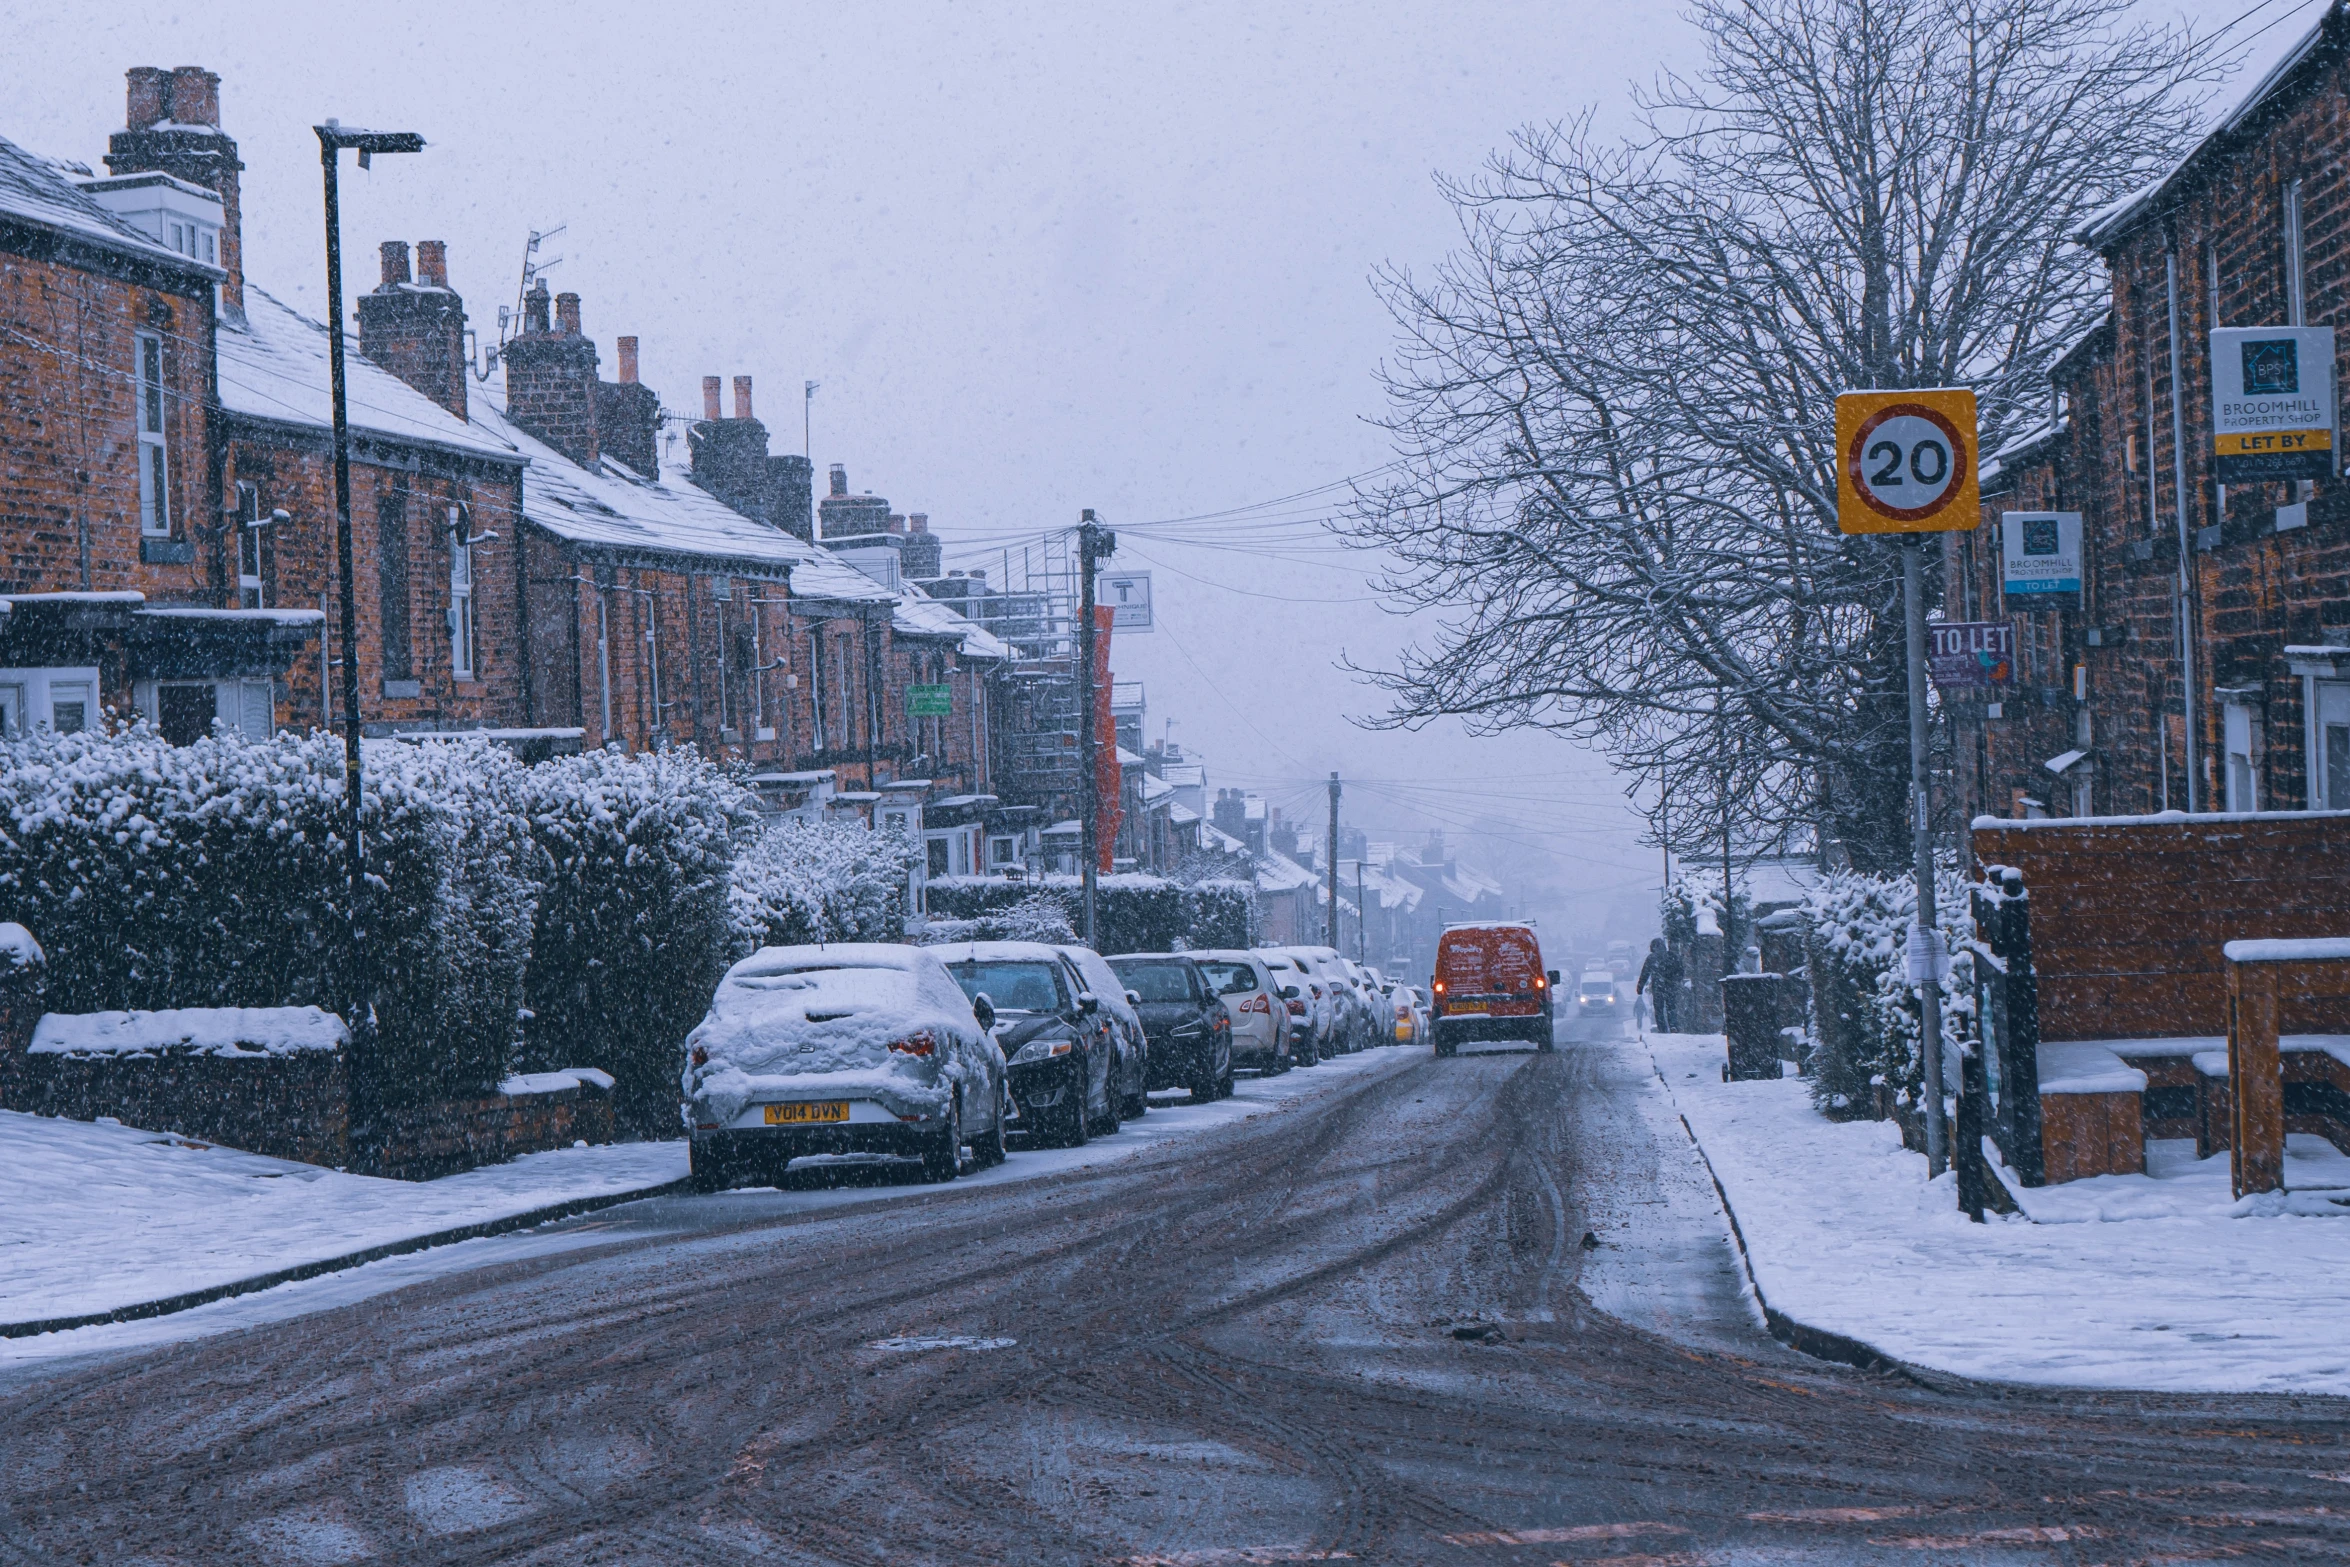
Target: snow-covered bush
[(1865, 1012), (1037, 917), (213, 875), (633, 928), (1134, 913), (798, 881)]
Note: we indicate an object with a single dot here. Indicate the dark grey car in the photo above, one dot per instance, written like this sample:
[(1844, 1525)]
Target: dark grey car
[(1189, 1028)]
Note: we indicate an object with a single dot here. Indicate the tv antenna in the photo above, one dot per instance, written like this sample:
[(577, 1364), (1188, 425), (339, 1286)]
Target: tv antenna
[(510, 317)]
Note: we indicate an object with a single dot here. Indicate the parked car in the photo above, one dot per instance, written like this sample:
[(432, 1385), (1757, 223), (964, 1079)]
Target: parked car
[(1051, 1026), (1411, 1015), (1490, 984), (1260, 1019), (846, 1049), (1597, 991), (1339, 1033), (1301, 1000), (1190, 1028), (1131, 1070)]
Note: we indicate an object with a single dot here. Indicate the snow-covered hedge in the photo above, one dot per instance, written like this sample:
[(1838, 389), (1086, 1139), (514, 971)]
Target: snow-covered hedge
[(1865, 1013), (1037, 917), (633, 927), (1136, 913), (798, 881), (213, 875)]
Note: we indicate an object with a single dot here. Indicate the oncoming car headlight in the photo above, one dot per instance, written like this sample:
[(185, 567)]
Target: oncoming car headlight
[(1043, 1050)]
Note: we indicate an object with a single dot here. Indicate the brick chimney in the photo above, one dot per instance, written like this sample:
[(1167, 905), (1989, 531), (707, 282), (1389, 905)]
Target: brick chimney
[(923, 556), (551, 378), (171, 123), (416, 329), (730, 455), (791, 479), (846, 516), (628, 415)]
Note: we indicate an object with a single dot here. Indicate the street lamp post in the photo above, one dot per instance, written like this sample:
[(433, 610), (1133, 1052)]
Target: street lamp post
[(333, 139)]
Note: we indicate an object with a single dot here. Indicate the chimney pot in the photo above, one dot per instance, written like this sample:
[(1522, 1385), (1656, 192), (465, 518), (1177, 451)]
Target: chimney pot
[(395, 254), (534, 309), (840, 479), (980, 577), (432, 263), (567, 313), (919, 521), (627, 350), (710, 409), (742, 397), (146, 96), (195, 96), (897, 523)]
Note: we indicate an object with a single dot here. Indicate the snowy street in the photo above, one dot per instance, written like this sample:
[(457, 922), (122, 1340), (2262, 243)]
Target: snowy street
[(1364, 1326)]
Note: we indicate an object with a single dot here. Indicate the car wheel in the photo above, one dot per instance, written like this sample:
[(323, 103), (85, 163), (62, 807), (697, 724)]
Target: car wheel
[(1110, 1118), (706, 1171), (943, 1159), (1138, 1102), (1224, 1086)]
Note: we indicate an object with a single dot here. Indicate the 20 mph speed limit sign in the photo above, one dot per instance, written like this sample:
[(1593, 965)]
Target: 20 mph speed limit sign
[(1905, 462)]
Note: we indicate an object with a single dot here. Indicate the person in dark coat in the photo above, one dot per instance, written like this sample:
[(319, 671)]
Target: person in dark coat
[(1660, 978)]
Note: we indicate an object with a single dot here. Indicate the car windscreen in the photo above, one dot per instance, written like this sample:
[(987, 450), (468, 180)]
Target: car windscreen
[(1231, 979), (1156, 981), (1012, 986)]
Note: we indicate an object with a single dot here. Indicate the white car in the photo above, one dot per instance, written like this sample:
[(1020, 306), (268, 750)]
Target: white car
[(1327, 1004), (1596, 991), (857, 1048), (1300, 996), (1260, 1020)]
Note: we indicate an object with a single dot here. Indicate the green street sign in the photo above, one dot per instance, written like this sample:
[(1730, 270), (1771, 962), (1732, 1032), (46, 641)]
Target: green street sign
[(930, 701)]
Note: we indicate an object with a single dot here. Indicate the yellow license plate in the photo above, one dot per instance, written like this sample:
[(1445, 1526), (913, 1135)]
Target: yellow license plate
[(802, 1114), (1467, 1006)]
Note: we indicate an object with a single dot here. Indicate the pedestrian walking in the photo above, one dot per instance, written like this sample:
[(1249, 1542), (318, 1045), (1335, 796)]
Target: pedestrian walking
[(1660, 980)]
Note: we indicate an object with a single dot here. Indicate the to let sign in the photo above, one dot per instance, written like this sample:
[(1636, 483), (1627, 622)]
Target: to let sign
[(1905, 462), (2039, 553), (930, 701), (1970, 655), (2272, 403)]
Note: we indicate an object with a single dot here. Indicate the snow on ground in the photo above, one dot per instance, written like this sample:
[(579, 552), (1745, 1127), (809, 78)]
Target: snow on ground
[(2154, 1282), (95, 1217)]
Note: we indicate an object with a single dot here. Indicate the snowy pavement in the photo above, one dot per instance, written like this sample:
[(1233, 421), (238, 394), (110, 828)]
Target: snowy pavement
[(2157, 1283), (98, 1217)]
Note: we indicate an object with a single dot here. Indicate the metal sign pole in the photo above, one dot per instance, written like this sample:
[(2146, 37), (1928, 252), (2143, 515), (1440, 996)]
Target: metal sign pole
[(1913, 608)]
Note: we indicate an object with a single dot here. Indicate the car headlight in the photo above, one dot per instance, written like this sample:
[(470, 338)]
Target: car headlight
[(1043, 1050)]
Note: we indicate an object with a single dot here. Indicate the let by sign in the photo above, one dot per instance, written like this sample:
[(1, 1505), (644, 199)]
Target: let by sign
[(1971, 655)]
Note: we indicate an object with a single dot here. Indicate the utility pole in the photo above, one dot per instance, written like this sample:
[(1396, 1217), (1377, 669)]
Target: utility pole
[(1362, 917), (1093, 542), (1334, 862)]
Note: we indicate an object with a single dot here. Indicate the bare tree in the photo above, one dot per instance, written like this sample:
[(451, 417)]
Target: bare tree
[(1615, 405)]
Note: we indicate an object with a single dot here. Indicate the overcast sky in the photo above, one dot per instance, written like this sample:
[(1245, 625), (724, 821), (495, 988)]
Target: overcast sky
[(1040, 257)]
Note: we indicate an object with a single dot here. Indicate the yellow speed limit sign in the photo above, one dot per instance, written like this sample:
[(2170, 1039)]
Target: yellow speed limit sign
[(1905, 462)]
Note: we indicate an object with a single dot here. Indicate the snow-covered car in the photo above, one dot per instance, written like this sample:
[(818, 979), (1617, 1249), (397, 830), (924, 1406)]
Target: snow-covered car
[(1300, 996), (850, 1049), (1190, 1028), (1260, 1032), (1411, 1015), (1130, 1073), (1054, 1029), (1354, 1022)]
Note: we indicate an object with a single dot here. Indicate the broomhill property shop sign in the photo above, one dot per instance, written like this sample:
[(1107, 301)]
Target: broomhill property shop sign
[(2272, 403)]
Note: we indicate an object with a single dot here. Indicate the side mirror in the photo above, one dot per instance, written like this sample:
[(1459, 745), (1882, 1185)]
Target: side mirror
[(1087, 1001), (984, 1010), (1554, 977), (1134, 998), (1289, 993)]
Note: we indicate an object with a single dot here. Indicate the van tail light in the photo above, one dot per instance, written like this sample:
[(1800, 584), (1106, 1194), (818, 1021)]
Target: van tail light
[(1439, 987), (1538, 982), (921, 1044)]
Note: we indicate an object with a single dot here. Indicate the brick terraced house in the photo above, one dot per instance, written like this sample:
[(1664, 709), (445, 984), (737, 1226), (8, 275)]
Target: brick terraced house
[(2206, 662)]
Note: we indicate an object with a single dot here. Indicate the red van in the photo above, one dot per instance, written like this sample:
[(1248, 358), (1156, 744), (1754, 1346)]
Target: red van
[(1490, 984)]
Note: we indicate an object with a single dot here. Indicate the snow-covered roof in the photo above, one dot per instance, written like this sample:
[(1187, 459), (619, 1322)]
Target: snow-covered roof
[(613, 507), (33, 191), (1182, 815), (2024, 446), (1155, 789), (918, 614), (2112, 220), (1213, 837), (274, 366), (1280, 873)]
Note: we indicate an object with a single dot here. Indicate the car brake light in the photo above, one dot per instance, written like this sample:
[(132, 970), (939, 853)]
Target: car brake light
[(1297, 1009), (921, 1044), (700, 1056)]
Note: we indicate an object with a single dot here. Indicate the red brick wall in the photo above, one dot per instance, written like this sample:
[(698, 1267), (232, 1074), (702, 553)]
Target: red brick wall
[(69, 482)]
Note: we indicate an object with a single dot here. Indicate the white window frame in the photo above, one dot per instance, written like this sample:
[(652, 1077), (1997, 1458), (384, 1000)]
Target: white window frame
[(247, 706), (2295, 281), (151, 416), (35, 694), (462, 626), (2240, 755), (252, 593), (2324, 700), (816, 684)]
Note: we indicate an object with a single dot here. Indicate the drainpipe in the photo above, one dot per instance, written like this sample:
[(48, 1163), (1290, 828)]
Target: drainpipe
[(2178, 452)]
